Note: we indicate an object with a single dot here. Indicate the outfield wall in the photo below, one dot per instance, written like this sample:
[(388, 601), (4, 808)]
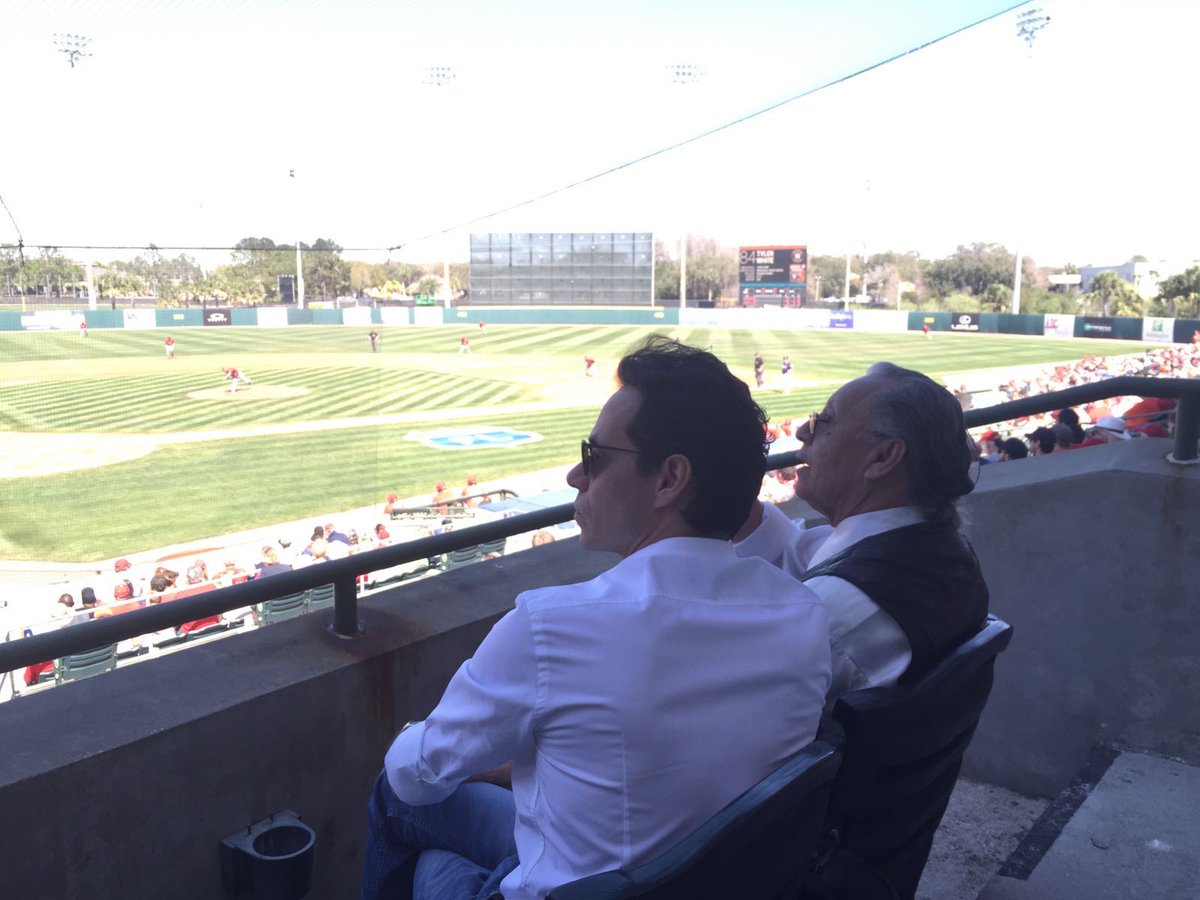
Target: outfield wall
[(1151, 329)]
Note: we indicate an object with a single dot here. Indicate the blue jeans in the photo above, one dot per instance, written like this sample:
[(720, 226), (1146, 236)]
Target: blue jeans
[(459, 849)]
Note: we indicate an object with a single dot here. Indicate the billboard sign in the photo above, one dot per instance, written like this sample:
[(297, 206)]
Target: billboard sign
[(773, 275), (841, 319), (1059, 326), (218, 316), (1097, 327), (1158, 331), (964, 321)]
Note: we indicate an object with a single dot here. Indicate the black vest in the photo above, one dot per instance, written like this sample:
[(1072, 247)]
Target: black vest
[(926, 577)]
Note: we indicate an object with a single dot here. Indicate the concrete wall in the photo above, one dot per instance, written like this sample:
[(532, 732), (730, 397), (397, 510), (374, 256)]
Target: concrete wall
[(125, 783), (1094, 556)]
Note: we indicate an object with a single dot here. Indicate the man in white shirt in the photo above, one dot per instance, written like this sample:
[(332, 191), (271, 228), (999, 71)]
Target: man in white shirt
[(632, 707), (885, 462)]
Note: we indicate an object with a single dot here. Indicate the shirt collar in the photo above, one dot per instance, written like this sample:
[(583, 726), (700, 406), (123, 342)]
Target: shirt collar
[(853, 529)]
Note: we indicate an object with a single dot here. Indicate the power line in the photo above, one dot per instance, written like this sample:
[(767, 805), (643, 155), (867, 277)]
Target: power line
[(719, 128)]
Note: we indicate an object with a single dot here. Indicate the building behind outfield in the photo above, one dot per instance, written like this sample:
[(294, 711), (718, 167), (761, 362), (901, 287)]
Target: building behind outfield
[(575, 268)]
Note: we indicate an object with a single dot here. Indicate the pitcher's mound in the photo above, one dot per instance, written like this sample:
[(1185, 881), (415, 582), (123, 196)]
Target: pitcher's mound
[(253, 392)]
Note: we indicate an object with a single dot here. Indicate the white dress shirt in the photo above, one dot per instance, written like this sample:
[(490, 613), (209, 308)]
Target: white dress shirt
[(869, 647), (633, 706)]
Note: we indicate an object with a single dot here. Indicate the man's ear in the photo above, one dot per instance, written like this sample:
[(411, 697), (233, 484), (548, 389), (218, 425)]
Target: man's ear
[(674, 480), (886, 457)]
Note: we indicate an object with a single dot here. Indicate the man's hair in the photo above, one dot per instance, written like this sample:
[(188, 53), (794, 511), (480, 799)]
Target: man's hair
[(1014, 448), (693, 405), (929, 420)]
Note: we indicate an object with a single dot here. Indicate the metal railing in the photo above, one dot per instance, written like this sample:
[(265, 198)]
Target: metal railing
[(1187, 412), (343, 573)]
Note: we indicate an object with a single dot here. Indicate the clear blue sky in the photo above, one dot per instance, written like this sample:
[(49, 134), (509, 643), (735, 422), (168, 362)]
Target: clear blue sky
[(183, 124)]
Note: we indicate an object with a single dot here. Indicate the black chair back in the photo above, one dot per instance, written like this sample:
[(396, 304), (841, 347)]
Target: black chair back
[(756, 848), (903, 748)]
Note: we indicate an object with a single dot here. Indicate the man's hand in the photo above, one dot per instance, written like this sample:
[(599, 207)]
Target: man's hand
[(501, 775), (752, 521)]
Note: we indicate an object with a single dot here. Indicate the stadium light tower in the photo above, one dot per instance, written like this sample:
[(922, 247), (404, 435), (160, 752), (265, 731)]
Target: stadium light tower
[(684, 73), (299, 262), (438, 76), (1029, 23), (73, 46)]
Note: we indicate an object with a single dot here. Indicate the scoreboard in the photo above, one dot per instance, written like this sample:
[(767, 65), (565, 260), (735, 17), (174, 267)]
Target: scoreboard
[(773, 275)]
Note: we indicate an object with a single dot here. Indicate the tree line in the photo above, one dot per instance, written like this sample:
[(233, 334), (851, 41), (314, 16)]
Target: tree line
[(976, 277)]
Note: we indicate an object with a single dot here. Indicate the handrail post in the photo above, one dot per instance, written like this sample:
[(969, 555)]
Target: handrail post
[(345, 607), (1187, 427)]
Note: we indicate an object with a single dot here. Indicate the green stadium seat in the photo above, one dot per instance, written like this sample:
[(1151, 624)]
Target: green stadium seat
[(86, 664)]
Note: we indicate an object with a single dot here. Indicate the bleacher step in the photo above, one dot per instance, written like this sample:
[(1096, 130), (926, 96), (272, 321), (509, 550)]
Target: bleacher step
[(1133, 835)]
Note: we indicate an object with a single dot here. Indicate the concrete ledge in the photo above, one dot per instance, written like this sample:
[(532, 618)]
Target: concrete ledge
[(1094, 557), (132, 778)]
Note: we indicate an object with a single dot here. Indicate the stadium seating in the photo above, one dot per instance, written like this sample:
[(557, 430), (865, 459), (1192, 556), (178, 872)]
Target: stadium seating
[(465, 556), (903, 748), (280, 608), (756, 848), (84, 665), (319, 597)]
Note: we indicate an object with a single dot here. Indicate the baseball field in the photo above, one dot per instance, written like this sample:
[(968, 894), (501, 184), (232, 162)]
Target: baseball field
[(107, 447)]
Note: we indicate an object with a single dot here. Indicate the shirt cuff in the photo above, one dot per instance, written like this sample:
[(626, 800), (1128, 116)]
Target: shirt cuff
[(409, 777)]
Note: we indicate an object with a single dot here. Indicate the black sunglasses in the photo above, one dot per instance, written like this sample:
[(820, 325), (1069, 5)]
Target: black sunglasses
[(587, 448)]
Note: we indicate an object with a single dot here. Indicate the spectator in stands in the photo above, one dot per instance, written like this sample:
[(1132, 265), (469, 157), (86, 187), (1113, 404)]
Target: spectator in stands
[(62, 606), (333, 535), (1070, 419), (1013, 448), (231, 572), (472, 488), (604, 695), (542, 537), (87, 603), (441, 499), (197, 572), (382, 534), (886, 462), (989, 447), (270, 564), (1042, 441), (1108, 430)]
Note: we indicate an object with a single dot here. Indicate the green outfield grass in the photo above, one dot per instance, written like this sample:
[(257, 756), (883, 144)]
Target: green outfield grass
[(116, 382)]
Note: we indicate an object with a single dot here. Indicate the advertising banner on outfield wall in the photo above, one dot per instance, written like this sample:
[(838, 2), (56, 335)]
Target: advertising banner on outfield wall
[(356, 315), (272, 317), (812, 318), (140, 318), (219, 316), (841, 319), (891, 321), (1059, 326), (426, 315), (1158, 331), (1097, 327), (396, 315), (964, 321), (51, 320)]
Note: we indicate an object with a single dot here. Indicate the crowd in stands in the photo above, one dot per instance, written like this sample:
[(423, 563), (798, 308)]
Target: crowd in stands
[(1103, 422), (127, 587)]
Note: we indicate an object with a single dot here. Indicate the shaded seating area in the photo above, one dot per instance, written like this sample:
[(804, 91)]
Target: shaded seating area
[(902, 750), (756, 848)]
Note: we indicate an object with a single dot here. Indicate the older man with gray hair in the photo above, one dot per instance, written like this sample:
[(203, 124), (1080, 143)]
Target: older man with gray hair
[(885, 461)]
